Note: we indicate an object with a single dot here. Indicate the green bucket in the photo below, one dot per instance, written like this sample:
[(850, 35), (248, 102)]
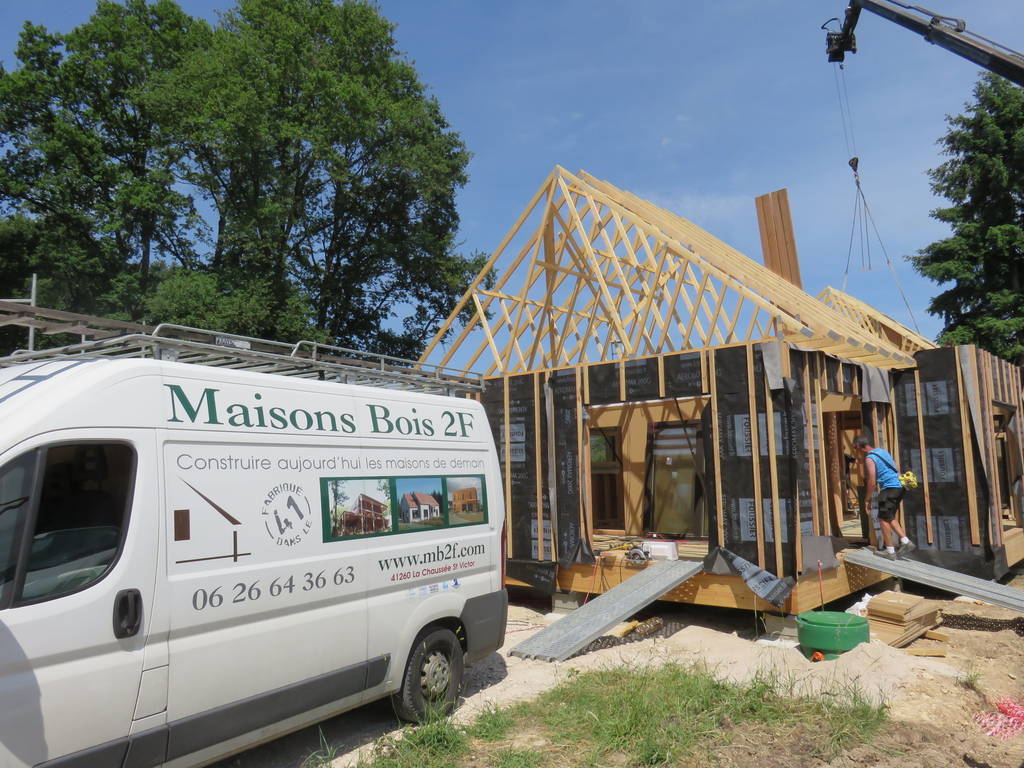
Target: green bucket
[(830, 632)]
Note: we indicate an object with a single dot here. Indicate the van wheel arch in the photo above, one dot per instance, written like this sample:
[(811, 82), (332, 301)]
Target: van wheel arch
[(434, 672)]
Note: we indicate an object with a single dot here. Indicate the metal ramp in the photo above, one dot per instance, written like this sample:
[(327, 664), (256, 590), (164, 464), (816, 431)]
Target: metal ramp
[(584, 625), (941, 578)]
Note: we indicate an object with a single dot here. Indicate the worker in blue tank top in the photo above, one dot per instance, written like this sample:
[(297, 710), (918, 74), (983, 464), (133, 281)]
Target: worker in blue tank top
[(880, 471)]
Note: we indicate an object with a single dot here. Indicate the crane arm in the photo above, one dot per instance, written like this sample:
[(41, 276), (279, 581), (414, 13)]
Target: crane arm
[(943, 31)]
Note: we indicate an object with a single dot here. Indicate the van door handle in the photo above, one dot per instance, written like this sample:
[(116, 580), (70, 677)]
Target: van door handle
[(127, 613)]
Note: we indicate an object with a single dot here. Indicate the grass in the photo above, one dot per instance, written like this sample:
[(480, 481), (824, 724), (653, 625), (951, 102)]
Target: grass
[(323, 757), (638, 717), (969, 678)]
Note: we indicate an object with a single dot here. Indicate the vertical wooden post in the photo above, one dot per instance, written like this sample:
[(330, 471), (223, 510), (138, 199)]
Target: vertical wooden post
[(833, 462), (507, 461), (773, 471)]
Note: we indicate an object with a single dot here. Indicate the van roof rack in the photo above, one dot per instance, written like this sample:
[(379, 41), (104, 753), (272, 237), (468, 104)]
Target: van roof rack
[(306, 359)]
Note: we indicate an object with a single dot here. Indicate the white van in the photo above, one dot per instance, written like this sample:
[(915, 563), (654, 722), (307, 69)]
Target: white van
[(196, 559)]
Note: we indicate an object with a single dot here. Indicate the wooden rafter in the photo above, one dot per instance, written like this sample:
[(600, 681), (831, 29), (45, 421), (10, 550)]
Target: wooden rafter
[(873, 321), (605, 275)]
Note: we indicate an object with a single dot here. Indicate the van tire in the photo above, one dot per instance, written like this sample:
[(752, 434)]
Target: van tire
[(433, 676)]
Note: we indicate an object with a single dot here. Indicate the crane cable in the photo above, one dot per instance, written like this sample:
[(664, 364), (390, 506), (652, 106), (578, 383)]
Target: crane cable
[(861, 212)]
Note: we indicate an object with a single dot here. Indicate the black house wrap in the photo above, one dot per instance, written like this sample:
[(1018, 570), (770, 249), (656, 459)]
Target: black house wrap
[(603, 383), (736, 487), (739, 502), (522, 479), (566, 479), (683, 375), (776, 432)]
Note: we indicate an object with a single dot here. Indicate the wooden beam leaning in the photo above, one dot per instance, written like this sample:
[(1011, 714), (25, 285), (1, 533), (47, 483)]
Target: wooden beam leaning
[(778, 243)]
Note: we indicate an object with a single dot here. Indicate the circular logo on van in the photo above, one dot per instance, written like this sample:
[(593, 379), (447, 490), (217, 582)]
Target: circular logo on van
[(287, 514)]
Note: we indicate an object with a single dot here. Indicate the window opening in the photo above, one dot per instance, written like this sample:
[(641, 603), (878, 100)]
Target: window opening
[(606, 482), (675, 484), (80, 519)]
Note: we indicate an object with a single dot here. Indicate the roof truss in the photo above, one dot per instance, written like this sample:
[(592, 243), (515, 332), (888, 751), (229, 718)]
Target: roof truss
[(596, 274)]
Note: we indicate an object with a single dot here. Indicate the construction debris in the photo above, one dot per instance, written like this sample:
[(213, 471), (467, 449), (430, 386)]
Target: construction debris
[(897, 619)]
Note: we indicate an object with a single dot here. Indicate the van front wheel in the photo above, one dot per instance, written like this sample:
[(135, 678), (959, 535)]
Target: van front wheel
[(433, 676)]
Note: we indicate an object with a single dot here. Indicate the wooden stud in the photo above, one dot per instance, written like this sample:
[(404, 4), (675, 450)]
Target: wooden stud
[(832, 466), (773, 470), (508, 473)]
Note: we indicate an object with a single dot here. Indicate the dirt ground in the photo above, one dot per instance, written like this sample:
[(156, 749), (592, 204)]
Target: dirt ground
[(932, 710)]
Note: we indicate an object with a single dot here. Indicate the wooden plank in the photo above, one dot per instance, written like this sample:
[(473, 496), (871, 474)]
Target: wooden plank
[(773, 470), (833, 461), (721, 591), (508, 473), (773, 239), (788, 238), (938, 652), (933, 634)]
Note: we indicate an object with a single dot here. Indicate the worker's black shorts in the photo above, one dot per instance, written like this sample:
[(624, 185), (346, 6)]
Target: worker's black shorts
[(889, 502)]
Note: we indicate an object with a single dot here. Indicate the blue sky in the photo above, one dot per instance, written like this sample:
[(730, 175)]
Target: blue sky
[(696, 106)]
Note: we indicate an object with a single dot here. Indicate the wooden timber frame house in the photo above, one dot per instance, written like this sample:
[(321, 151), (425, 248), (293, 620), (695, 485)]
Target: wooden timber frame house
[(642, 377)]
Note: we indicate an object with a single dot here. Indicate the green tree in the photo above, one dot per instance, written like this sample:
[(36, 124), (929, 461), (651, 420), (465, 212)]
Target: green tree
[(283, 174), (332, 174), (86, 158), (983, 260)]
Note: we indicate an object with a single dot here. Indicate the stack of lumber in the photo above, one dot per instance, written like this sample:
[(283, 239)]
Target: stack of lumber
[(898, 619)]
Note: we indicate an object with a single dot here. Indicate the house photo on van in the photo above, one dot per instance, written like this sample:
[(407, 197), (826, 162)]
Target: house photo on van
[(196, 557)]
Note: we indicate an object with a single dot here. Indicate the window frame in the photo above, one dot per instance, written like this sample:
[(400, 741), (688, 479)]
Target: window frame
[(11, 593)]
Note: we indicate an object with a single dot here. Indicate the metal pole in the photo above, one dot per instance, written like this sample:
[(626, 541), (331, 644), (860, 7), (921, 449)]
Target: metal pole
[(32, 302)]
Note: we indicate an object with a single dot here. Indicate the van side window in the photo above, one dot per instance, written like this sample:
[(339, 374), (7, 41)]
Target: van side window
[(77, 521), (15, 496)]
